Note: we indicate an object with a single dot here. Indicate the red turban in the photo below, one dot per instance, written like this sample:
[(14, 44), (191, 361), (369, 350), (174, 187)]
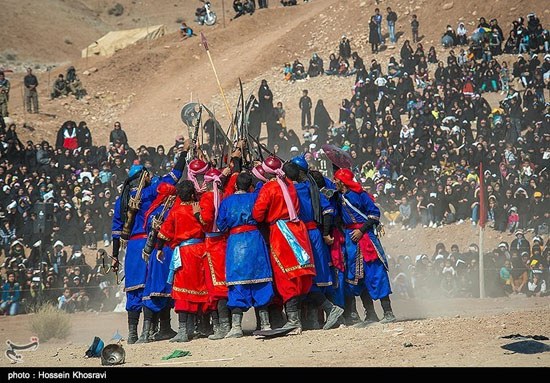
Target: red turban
[(346, 176), (164, 190)]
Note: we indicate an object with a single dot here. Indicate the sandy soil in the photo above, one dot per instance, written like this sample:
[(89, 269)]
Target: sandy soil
[(455, 332)]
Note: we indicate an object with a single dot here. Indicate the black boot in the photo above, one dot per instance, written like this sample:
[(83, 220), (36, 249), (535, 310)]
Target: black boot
[(276, 316), (370, 315), (154, 327), (191, 318), (388, 314), (224, 325), (166, 331), (332, 312), (312, 317), (350, 313), (182, 329), (264, 319), (293, 315), (133, 320), (236, 325), (144, 338)]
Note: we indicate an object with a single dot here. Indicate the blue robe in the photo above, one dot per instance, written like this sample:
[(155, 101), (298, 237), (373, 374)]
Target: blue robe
[(157, 292), (360, 274), (135, 268), (247, 263), (323, 279)]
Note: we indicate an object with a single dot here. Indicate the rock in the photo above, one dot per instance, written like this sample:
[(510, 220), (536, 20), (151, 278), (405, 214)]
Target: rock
[(93, 69), (474, 13), (448, 6), (86, 73), (363, 4)]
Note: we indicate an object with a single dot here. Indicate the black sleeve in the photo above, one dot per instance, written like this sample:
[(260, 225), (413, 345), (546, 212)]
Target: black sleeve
[(327, 223), (160, 243), (116, 247), (367, 225), (180, 165), (237, 164), (197, 216)]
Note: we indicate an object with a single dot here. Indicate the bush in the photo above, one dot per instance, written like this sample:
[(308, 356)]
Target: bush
[(50, 322)]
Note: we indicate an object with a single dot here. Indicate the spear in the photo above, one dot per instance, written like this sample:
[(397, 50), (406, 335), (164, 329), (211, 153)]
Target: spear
[(205, 44)]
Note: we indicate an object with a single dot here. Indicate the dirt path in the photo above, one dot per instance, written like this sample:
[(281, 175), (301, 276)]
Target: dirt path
[(457, 332)]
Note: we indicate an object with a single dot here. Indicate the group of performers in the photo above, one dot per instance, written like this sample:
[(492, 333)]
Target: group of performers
[(275, 236)]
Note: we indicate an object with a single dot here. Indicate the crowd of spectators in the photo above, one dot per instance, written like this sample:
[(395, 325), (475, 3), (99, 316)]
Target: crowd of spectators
[(81, 181), (417, 140), (511, 269)]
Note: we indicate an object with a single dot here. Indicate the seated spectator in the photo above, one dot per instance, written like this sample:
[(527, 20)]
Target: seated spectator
[(185, 32), (60, 87), (334, 65), (315, 66), (10, 296)]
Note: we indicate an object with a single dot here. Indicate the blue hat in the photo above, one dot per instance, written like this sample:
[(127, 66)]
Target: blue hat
[(95, 349), (135, 169), (301, 162)]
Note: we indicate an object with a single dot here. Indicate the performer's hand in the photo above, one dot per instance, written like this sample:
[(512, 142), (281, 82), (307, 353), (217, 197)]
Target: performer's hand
[(226, 172), (186, 145), (196, 208), (256, 163), (237, 153), (356, 235), (160, 255), (328, 240), (114, 265)]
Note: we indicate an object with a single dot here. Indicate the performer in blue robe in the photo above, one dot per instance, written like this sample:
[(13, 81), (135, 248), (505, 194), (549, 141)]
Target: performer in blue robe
[(313, 207), (135, 268), (366, 265), (157, 299), (247, 263)]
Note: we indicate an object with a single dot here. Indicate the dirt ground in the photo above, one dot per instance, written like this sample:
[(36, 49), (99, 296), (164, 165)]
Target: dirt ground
[(450, 332)]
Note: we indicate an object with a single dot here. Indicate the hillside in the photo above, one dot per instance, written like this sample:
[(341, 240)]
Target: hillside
[(144, 86)]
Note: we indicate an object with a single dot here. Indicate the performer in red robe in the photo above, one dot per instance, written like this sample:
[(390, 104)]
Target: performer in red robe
[(183, 230), (214, 256), (291, 253)]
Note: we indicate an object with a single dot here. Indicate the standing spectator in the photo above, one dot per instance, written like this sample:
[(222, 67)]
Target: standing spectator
[(7, 236), (10, 296), (31, 94), (374, 35), (414, 26), (345, 48), (265, 97), (118, 135), (262, 4), (84, 135), (378, 20), (4, 94), (305, 106), (391, 18)]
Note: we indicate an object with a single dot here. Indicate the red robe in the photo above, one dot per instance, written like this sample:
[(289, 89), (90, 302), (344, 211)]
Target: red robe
[(291, 279), (214, 257), (189, 287)]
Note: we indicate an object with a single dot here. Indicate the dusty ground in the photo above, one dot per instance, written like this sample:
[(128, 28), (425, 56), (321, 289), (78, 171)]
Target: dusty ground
[(455, 332)]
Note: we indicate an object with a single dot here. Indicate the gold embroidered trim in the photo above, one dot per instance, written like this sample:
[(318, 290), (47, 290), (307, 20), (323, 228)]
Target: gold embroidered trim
[(173, 176), (215, 282), (182, 290), (249, 282), (373, 217), (163, 237), (309, 265), (165, 295), (134, 288), (117, 232), (323, 284)]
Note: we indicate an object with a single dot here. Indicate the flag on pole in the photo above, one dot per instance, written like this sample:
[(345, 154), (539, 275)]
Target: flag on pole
[(482, 199)]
